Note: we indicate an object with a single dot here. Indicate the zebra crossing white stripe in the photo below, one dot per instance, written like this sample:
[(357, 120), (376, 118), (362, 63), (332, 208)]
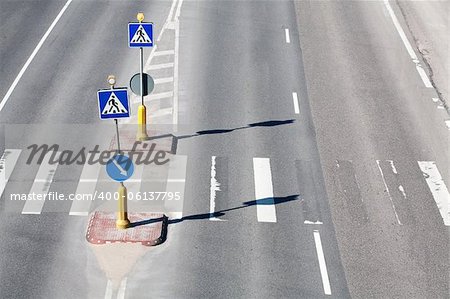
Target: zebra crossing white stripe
[(437, 188), (166, 52), (109, 290), (86, 185), (322, 263), (41, 184), (264, 190), (160, 66), (7, 163), (176, 184), (163, 80), (121, 291)]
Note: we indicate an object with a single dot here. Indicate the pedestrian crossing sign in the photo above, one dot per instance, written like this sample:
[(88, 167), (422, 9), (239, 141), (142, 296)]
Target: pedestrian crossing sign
[(140, 35), (113, 103)]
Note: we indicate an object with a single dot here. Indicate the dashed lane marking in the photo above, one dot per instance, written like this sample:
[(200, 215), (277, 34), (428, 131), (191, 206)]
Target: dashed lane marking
[(322, 263)]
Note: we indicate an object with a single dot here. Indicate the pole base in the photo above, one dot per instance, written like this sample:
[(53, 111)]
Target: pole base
[(122, 224), (142, 124)]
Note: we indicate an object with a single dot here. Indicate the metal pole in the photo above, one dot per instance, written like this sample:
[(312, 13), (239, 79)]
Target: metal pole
[(117, 133), (141, 50)]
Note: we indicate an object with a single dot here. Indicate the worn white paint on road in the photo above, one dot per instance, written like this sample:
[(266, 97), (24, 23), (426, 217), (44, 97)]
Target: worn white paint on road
[(322, 263), (33, 54), (265, 205), (214, 187), (408, 46), (437, 188), (41, 184), (7, 162), (387, 188)]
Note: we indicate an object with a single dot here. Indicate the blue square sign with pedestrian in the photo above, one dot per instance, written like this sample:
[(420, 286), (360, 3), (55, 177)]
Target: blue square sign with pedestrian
[(113, 103), (140, 35)]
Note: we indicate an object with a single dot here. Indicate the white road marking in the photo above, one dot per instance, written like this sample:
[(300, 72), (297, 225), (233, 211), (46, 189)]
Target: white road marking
[(265, 205), (156, 96), (214, 187), (109, 290), (164, 80), (408, 46), (435, 100), (447, 123), (311, 222), (437, 188), (175, 71), (322, 264), (178, 12), (41, 185), (394, 170), (286, 33), (7, 162), (296, 106), (33, 54), (165, 52), (160, 66), (121, 291), (176, 183), (86, 185), (162, 112)]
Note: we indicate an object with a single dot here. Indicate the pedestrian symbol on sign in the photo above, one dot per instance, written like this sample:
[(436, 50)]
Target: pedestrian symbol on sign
[(113, 103), (113, 106), (141, 36)]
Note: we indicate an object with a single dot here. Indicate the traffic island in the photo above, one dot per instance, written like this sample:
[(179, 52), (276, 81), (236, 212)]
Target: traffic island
[(149, 229)]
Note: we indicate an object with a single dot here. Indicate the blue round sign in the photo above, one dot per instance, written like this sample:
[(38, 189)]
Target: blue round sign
[(120, 168)]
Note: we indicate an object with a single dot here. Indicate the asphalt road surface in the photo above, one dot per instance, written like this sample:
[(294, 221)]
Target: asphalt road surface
[(311, 140)]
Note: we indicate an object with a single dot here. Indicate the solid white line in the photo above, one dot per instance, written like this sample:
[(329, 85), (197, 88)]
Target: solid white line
[(164, 80), (7, 163), (264, 190), (178, 12), (322, 264), (160, 66), (408, 46), (121, 291), (109, 290), (86, 185), (296, 106), (387, 189), (214, 187), (162, 53), (437, 188), (175, 70), (424, 76), (41, 185), (286, 33), (33, 54)]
